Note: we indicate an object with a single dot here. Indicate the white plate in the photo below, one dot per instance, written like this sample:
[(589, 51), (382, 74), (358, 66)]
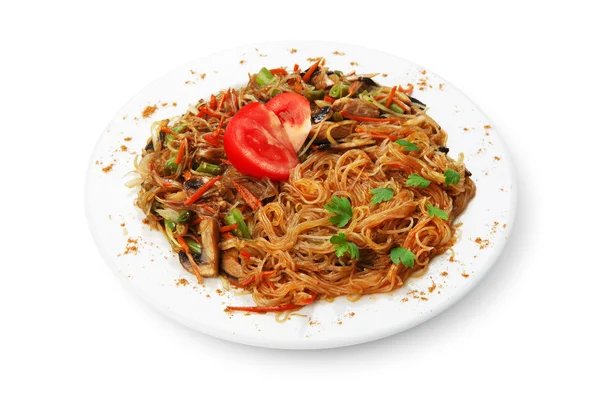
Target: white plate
[(148, 267)]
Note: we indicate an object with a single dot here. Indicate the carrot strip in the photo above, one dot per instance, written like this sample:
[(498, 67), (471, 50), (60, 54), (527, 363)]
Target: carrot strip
[(265, 309), (226, 236), (202, 190), (298, 85), (245, 254), (225, 161), (183, 244), (210, 138), (296, 67), (196, 221), (228, 228), (278, 71), (166, 130), (181, 152), (401, 105), (207, 111), (329, 99), (310, 71), (391, 97), (380, 96), (247, 195), (223, 95), (187, 175), (213, 101), (366, 119), (408, 90)]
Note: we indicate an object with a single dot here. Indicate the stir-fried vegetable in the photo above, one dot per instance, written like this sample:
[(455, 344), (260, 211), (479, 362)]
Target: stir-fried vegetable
[(264, 77), (236, 217)]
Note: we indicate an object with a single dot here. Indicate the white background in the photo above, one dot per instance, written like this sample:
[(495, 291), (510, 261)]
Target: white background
[(69, 329)]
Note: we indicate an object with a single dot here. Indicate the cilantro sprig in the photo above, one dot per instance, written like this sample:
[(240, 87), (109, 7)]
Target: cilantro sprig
[(408, 146), (400, 255), (452, 177), (417, 181), (342, 208), (436, 212), (343, 246), (381, 194)]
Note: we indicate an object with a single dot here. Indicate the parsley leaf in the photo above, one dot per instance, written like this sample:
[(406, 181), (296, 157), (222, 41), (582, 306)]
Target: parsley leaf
[(408, 146), (452, 177), (401, 255), (343, 246), (436, 212), (340, 206), (417, 180), (381, 194)]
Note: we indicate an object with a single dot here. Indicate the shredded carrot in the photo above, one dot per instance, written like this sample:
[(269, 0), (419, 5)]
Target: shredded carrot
[(202, 190), (380, 96), (298, 84), (366, 119), (166, 130), (183, 244), (329, 99), (245, 254), (213, 101), (310, 71), (408, 90), (228, 228), (210, 138), (278, 71), (388, 102), (401, 104), (181, 152), (187, 175), (353, 87), (226, 236), (196, 221), (296, 67), (207, 111), (225, 161), (247, 195), (234, 104), (223, 95)]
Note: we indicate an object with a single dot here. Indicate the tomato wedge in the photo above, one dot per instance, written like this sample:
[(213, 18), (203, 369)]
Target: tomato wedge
[(257, 145), (293, 110)]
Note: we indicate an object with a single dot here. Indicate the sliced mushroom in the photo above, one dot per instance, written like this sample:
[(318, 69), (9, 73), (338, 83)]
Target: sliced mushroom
[(230, 263), (320, 115), (338, 132), (209, 259)]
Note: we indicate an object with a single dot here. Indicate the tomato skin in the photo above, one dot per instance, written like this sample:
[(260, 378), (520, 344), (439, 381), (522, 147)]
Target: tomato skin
[(293, 110), (257, 145)]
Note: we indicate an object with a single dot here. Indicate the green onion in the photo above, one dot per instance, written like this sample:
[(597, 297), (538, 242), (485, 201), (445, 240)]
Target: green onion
[(396, 108), (236, 217), (170, 224), (313, 95), (171, 166), (179, 129), (208, 168), (264, 77), (194, 246), (184, 217), (168, 138), (338, 72), (338, 90)]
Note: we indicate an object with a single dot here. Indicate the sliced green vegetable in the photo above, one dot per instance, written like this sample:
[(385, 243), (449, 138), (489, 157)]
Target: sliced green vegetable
[(396, 108), (171, 225), (264, 77), (401, 255), (236, 217), (194, 246), (337, 117), (171, 166), (417, 181), (343, 246), (338, 72), (169, 138), (381, 194), (338, 90), (179, 128), (208, 168), (436, 212), (313, 95), (408, 146), (452, 177), (342, 208), (184, 217)]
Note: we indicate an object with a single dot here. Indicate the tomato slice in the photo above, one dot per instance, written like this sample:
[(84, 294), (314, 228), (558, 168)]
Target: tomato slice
[(293, 110), (257, 145)]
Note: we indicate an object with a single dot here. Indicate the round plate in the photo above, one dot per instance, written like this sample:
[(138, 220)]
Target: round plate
[(143, 259)]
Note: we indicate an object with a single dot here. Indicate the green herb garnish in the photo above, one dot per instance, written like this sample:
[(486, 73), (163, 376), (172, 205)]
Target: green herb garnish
[(452, 177), (417, 181), (436, 212), (342, 246), (401, 255), (408, 146), (342, 208), (381, 194)]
